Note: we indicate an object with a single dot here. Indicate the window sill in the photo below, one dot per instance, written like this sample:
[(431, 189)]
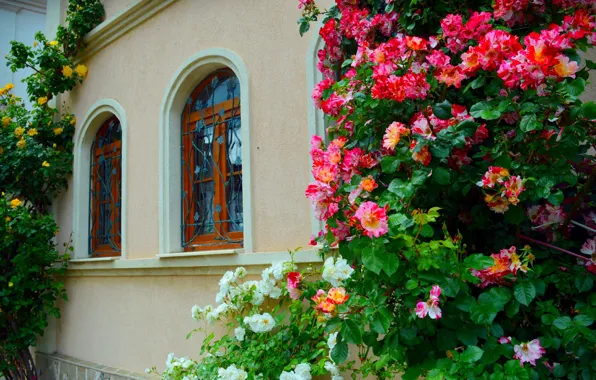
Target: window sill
[(94, 260), (214, 252), (206, 263)]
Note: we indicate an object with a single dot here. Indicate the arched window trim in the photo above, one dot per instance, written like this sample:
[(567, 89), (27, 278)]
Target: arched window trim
[(183, 82), (316, 117), (97, 115)]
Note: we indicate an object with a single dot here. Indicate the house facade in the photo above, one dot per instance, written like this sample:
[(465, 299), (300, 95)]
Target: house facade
[(191, 159)]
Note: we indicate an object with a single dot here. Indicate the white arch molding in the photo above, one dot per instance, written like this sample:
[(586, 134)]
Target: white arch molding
[(316, 117), (190, 74), (99, 112)]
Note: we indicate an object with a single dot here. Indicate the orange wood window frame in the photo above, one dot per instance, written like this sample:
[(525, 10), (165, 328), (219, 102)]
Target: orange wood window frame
[(110, 152), (189, 119)]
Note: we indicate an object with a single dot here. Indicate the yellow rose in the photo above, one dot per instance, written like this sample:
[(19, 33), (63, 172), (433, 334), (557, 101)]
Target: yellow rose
[(32, 132), (8, 219), (53, 43), (15, 203), (21, 143), (58, 131), (43, 100), (34, 43), (81, 70), (9, 86), (19, 131), (54, 146), (10, 284), (2, 91), (45, 164), (67, 71), (73, 121), (5, 121)]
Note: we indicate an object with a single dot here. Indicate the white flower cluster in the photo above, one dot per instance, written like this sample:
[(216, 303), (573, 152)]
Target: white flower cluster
[(260, 323), (211, 314), (301, 372), (337, 271), (177, 367), (333, 370), (231, 373), (233, 293), (239, 333)]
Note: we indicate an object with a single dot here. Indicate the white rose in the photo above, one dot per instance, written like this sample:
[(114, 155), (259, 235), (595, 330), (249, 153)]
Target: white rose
[(196, 312), (332, 341), (239, 333)]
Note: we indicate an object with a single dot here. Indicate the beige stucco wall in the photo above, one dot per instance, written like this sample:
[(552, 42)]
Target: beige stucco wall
[(134, 322), (136, 70)]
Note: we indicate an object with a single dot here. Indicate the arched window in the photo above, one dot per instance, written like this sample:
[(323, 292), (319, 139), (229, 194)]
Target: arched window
[(212, 213), (105, 190)]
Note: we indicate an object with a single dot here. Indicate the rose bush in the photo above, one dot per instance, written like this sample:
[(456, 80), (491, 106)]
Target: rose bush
[(35, 162), (456, 187)]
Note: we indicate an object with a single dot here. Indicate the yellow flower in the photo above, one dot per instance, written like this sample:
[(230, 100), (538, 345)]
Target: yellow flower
[(32, 132), (8, 219), (53, 43), (9, 86), (10, 284), (43, 100), (45, 164), (21, 143), (19, 131), (53, 145), (2, 91), (58, 131), (73, 121), (34, 43), (81, 70), (15, 203), (5, 121), (67, 71)]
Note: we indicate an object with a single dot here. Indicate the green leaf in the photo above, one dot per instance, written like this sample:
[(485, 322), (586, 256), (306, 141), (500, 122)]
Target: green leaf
[(381, 321), (584, 283), (399, 222), (483, 314), (529, 123), (524, 292), (478, 261), (441, 175), (304, 27), (443, 110), (576, 87), (350, 332), (563, 323), (589, 110), (515, 215), (389, 164), (583, 320), (377, 260), (411, 284), (467, 336), (484, 111), (515, 371), (471, 354), (340, 352)]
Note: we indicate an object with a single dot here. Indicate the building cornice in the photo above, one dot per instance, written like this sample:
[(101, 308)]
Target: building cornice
[(123, 22), (28, 5)]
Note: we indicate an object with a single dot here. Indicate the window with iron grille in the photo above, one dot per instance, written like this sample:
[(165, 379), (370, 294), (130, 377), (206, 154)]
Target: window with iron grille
[(105, 190), (212, 214)]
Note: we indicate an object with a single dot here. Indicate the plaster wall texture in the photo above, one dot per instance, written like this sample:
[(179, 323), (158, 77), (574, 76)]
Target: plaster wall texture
[(134, 322), (136, 69)]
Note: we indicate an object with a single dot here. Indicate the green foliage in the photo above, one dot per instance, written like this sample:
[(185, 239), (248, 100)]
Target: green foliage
[(35, 162)]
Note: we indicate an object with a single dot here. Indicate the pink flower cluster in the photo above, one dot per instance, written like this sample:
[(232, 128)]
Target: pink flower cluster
[(508, 188), (431, 306), (547, 219), (528, 352), (506, 262), (589, 249)]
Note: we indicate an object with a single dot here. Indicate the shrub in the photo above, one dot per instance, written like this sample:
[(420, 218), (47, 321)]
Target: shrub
[(457, 180)]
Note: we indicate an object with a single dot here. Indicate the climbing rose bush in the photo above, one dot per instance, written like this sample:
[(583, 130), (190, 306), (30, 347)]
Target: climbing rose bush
[(455, 183)]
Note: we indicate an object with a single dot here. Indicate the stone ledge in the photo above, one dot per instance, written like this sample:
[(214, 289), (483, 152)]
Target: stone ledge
[(62, 367)]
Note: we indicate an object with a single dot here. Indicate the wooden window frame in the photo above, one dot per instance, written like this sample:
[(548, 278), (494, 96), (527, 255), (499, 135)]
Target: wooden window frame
[(189, 119), (113, 152)]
